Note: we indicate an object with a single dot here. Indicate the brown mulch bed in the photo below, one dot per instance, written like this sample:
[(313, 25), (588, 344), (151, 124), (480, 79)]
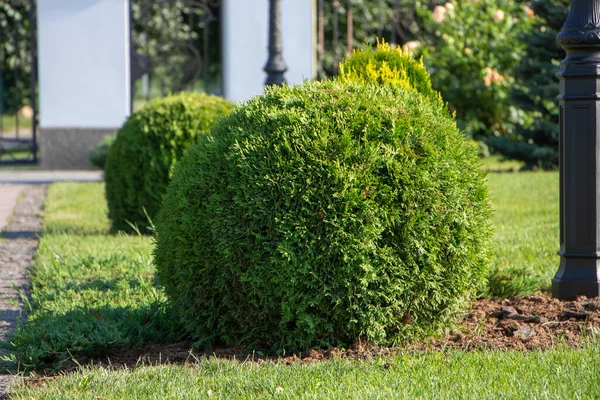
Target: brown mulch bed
[(525, 323), (519, 323)]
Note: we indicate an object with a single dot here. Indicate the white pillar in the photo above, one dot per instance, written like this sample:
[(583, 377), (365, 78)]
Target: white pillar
[(84, 76), (245, 40)]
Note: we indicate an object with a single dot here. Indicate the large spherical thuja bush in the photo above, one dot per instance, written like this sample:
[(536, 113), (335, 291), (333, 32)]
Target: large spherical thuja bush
[(141, 158), (322, 214)]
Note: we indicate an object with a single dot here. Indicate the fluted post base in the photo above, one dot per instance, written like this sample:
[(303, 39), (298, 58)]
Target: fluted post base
[(579, 100)]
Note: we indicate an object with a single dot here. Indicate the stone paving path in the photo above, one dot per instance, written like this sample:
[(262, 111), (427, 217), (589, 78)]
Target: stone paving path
[(18, 243), (9, 195), (36, 177), (22, 195)]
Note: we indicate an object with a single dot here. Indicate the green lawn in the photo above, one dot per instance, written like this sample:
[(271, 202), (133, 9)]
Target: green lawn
[(93, 293), (526, 232), (76, 209), (496, 163), (556, 374), (9, 123)]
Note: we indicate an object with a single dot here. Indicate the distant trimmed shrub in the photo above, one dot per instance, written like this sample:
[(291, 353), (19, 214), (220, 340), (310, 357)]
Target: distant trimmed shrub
[(321, 214), (387, 65), (99, 152), (141, 159)]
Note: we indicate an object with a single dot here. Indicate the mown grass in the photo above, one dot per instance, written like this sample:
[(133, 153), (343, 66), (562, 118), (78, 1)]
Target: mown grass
[(9, 122), (94, 293), (76, 209), (497, 163), (554, 374), (92, 297), (526, 232)]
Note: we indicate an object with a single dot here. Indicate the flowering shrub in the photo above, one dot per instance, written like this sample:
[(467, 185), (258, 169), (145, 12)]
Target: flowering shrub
[(472, 50), (536, 142)]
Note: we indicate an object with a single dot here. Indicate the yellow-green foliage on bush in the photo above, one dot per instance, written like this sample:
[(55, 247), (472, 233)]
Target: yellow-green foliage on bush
[(387, 65), (142, 156), (321, 214)]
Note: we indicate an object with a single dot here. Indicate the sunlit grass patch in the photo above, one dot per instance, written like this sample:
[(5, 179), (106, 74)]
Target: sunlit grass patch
[(559, 373), (526, 232), (76, 208)]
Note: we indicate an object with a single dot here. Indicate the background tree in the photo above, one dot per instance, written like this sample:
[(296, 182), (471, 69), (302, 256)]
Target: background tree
[(396, 21), (536, 143), (15, 55), (168, 40), (472, 50)]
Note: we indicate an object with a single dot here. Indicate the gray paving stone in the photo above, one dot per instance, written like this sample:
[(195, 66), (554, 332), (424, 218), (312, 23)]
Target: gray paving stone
[(17, 250), (41, 177)]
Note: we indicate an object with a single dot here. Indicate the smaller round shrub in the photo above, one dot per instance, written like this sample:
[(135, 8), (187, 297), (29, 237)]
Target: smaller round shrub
[(142, 156), (100, 151), (387, 65), (322, 214)]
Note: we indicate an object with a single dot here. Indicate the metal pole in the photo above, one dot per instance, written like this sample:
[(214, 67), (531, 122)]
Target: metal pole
[(579, 100), (275, 67)]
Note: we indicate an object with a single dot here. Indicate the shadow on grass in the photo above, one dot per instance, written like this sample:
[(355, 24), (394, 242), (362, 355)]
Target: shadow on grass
[(514, 281), (57, 340), (16, 235)]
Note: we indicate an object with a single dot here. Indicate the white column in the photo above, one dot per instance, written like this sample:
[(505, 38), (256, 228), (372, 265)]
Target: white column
[(83, 62), (84, 76), (245, 40)]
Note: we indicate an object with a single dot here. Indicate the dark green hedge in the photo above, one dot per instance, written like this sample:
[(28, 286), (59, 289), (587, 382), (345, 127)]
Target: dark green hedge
[(141, 159), (320, 214), (99, 152)]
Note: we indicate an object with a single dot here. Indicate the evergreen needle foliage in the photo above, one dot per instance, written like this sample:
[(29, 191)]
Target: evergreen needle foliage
[(387, 65), (323, 214), (99, 153), (141, 158)]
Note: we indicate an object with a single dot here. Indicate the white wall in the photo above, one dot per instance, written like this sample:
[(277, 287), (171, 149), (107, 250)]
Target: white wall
[(245, 44), (83, 63)]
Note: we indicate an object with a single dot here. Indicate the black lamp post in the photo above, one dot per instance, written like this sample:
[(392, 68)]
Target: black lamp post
[(579, 100), (275, 67)]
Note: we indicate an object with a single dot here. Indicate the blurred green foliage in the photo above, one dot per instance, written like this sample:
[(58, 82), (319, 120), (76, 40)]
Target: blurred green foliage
[(169, 37), (536, 143), (15, 55), (472, 50), (493, 61)]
